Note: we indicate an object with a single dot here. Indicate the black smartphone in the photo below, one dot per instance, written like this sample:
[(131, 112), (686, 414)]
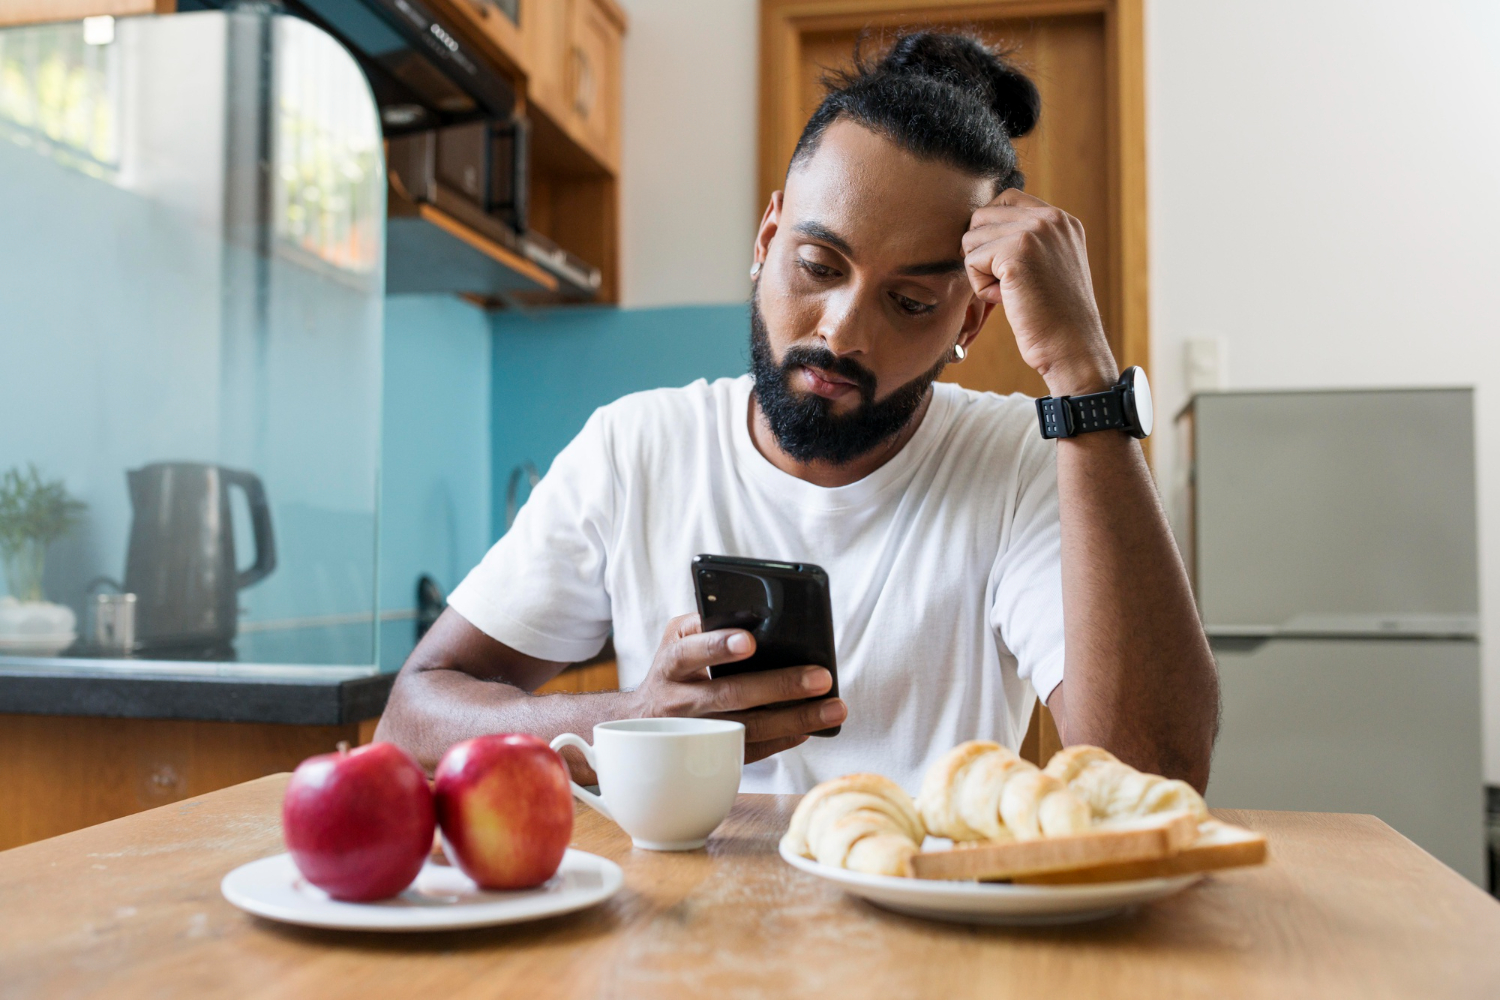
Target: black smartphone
[(784, 605)]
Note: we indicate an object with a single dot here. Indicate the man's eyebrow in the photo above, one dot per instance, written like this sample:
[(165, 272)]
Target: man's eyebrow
[(818, 231), (933, 267)]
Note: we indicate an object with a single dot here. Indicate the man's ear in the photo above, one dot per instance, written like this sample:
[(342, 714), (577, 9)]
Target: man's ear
[(768, 226), (974, 317)]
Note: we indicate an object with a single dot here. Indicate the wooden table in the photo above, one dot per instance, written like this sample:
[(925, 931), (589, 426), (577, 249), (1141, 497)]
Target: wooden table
[(1347, 908)]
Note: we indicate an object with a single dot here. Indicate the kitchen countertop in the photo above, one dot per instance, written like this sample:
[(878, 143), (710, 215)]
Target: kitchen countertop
[(204, 691), (1346, 907)]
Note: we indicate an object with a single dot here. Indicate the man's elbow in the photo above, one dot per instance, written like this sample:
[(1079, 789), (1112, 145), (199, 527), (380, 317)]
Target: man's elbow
[(1196, 738)]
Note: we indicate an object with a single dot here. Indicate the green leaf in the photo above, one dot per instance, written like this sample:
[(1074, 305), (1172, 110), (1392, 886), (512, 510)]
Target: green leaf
[(34, 511)]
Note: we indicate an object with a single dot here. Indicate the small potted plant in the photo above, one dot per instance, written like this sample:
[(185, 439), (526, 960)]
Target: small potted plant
[(33, 515)]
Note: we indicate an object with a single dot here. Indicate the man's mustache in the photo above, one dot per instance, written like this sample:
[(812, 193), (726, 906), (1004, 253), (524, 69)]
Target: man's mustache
[(822, 357)]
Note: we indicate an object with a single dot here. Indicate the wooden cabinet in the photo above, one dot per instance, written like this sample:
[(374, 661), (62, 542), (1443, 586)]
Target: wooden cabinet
[(573, 50), (593, 78), (545, 31), (67, 772)]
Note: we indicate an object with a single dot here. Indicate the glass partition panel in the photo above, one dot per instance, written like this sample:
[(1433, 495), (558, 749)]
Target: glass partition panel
[(192, 225)]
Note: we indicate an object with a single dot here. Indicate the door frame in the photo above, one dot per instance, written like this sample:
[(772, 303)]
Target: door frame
[(783, 22)]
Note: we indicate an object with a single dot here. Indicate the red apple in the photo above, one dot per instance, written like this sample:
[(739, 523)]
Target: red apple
[(505, 808), (359, 822)]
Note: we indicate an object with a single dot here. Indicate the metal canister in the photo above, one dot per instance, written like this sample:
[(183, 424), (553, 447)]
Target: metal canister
[(114, 623)]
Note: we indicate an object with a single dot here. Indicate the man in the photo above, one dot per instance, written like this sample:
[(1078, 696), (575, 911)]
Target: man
[(971, 562)]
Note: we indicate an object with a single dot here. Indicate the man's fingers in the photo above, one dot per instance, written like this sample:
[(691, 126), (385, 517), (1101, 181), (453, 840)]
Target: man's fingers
[(984, 260), (979, 235), (979, 267), (789, 721), (760, 751), (767, 687), (1017, 197), (691, 654), (684, 625)]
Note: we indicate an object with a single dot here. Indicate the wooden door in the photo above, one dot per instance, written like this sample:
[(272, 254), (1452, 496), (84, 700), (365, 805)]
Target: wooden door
[(1085, 156)]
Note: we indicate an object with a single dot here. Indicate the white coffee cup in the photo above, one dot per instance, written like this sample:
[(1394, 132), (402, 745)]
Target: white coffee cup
[(667, 782)]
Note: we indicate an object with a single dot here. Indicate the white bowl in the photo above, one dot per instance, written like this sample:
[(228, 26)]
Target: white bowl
[(36, 644)]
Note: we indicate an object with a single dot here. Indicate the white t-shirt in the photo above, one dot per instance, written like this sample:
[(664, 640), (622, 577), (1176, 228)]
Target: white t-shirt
[(943, 564)]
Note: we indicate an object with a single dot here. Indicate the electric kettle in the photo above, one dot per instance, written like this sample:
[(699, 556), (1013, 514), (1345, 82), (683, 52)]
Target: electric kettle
[(181, 561)]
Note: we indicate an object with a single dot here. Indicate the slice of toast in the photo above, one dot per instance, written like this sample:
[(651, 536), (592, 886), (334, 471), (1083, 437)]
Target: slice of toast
[(1150, 839), (1219, 845)]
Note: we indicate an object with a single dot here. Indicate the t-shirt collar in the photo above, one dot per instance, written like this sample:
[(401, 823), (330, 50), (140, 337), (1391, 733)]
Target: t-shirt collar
[(897, 470)]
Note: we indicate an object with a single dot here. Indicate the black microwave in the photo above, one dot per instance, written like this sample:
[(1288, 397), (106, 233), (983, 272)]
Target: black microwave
[(475, 172)]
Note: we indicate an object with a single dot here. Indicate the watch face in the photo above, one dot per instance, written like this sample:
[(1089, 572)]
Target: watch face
[(1145, 414)]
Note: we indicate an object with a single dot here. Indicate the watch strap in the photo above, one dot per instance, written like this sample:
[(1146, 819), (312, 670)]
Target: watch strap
[(1065, 416)]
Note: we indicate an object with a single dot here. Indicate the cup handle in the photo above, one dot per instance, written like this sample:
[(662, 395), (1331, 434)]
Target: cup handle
[(579, 792)]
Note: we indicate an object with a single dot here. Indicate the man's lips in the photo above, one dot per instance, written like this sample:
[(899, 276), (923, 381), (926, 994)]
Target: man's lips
[(825, 383)]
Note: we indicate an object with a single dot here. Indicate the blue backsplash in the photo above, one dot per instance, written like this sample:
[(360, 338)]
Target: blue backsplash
[(552, 368), (470, 396)]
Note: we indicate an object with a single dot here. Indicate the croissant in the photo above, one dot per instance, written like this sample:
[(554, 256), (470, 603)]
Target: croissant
[(863, 822), (1116, 791), (982, 791)]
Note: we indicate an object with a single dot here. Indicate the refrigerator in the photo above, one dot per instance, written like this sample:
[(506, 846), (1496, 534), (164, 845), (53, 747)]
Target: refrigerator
[(1332, 540)]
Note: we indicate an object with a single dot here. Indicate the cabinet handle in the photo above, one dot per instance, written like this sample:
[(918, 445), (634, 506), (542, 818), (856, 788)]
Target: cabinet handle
[(583, 83)]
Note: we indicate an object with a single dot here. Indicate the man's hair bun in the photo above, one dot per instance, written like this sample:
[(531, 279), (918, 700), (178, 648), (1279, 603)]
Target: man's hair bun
[(941, 96), (965, 62)]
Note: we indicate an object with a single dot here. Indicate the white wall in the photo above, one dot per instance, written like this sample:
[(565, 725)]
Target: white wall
[(1325, 198), (689, 208)]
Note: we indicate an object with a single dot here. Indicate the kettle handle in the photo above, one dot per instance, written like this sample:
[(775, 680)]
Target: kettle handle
[(260, 523)]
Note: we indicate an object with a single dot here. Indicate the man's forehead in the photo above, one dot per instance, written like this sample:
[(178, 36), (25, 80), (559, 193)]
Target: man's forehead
[(875, 197)]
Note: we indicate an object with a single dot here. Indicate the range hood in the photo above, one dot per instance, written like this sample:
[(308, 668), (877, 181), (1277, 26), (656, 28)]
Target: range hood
[(422, 73)]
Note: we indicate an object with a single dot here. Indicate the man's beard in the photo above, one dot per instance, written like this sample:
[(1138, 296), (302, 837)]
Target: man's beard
[(803, 423)]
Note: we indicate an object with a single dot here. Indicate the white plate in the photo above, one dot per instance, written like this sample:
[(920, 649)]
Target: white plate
[(995, 902), (442, 898)]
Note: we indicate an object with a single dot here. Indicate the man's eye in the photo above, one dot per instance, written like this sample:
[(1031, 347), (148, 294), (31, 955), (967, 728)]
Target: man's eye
[(815, 269), (911, 306)]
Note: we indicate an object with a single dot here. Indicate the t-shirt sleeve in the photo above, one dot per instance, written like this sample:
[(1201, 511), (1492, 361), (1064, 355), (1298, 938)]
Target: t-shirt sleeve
[(1027, 613), (541, 588)]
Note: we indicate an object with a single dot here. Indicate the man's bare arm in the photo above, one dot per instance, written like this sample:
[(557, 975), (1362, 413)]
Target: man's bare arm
[(460, 683), (1140, 680)]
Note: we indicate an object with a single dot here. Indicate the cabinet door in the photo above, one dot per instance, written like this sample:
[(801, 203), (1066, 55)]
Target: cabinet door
[(594, 80), (544, 25), (489, 19)]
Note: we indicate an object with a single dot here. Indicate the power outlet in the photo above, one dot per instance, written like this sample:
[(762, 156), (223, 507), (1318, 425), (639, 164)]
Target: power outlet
[(1203, 365)]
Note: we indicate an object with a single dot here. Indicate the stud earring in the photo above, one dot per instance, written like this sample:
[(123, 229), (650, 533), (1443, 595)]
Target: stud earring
[(959, 353), (754, 269)]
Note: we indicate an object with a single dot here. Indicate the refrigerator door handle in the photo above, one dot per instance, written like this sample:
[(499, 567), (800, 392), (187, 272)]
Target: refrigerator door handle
[(1222, 643)]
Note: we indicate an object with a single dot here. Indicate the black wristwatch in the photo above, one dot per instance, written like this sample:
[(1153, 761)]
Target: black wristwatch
[(1124, 406)]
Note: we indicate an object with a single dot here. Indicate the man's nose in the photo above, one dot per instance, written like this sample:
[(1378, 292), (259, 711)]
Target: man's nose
[(845, 323)]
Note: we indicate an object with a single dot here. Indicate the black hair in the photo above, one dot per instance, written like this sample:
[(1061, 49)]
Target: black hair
[(945, 97)]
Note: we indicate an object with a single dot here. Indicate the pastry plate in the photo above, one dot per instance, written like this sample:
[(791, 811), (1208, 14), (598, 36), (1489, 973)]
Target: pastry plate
[(442, 897), (995, 902)]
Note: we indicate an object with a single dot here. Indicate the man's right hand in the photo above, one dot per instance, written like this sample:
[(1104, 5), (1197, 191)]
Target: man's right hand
[(678, 685)]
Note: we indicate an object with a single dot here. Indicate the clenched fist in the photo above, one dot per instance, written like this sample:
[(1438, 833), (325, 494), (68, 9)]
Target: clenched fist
[(1030, 258)]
